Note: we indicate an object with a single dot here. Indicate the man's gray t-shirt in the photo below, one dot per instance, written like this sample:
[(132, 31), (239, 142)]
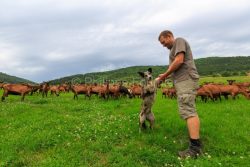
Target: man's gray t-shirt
[(188, 69)]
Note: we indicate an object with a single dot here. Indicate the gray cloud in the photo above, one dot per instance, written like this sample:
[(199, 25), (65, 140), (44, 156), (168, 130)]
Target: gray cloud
[(43, 40)]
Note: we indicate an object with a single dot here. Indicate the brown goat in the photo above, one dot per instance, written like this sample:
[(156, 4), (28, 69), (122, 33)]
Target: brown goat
[(136, 90), (233, 90), (114, 91), (16, 89), (54, 90), (213, 90), (35, 89), (169, 92), (164, 92), (242, 84), (81, 89), (101, 90), (203, 94), (64, 88), (44, 88)]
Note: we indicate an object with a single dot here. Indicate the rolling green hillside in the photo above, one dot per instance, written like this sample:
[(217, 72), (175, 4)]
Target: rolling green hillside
[(124, 74), (12, 79), (224, 66), (211, 66)]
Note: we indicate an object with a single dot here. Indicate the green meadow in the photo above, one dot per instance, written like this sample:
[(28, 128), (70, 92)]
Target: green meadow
[(61, 131), (224, 79)]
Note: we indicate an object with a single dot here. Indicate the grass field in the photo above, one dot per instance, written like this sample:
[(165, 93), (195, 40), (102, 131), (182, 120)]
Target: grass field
[(224, 79), (60, 131)]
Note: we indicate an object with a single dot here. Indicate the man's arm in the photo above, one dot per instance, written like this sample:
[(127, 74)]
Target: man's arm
[(179, 59)]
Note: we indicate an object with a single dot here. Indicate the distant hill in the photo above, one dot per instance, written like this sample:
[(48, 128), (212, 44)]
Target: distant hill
[(211, 66), (12, 79), (223, 65), (124, 74)]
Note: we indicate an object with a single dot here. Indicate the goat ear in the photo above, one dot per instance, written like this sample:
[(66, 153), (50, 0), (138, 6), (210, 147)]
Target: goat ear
[(150, 70), (141, 74)]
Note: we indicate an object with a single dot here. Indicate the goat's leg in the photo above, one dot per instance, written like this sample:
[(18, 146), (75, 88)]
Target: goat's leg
[(142, 119), (151, 119), (5, 94), (22, 96)]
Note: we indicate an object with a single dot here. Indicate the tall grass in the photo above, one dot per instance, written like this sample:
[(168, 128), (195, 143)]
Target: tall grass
[(60, 131)]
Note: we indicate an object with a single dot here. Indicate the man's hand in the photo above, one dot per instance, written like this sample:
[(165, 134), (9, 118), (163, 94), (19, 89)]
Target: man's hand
[(157, 81), (160, 75)]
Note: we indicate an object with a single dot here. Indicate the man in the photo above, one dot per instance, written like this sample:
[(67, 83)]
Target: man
[(185, 78)]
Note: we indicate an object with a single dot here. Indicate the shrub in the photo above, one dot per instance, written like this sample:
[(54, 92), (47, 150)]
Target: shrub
[(226, 74)]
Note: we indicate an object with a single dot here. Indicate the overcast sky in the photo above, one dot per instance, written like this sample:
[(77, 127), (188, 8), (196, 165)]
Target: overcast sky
[(46, 39)]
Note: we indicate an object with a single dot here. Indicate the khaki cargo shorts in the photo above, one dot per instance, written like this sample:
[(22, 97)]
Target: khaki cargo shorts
[(186, 93)]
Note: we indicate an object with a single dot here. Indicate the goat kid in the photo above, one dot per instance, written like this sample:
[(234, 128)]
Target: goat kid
[(148, 97)]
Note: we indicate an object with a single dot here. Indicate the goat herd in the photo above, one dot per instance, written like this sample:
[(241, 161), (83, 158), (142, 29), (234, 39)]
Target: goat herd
[(214, 91), (105, 90), (207, 91)]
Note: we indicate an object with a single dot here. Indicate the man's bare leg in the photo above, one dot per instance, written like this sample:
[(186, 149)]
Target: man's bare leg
[(193, 124)]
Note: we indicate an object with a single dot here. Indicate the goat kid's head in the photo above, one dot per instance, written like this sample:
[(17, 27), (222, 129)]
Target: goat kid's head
[(147, 75)]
